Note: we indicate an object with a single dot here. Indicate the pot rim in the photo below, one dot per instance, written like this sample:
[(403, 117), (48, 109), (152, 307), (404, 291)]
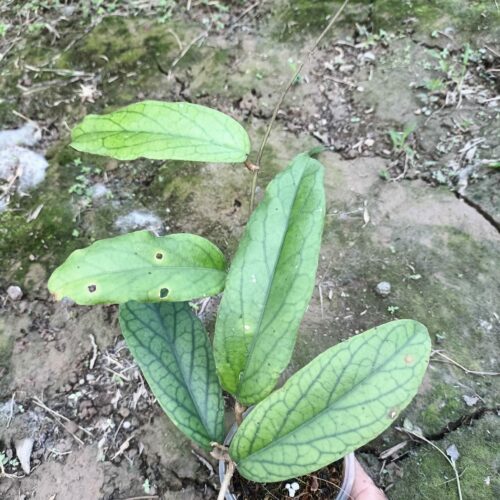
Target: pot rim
[(347, 473)]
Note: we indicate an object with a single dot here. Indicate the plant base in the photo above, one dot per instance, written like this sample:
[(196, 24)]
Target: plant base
[(332, 482)]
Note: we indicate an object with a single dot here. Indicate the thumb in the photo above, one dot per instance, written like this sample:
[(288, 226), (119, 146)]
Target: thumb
[(364, 488)]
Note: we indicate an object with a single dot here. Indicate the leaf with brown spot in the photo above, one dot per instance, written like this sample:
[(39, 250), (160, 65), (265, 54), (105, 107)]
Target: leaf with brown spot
[(143, 267)]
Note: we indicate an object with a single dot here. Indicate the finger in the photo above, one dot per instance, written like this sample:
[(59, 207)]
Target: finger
[(364, 488)]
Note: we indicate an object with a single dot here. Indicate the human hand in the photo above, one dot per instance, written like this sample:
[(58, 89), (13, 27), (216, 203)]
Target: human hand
[(364, 488)]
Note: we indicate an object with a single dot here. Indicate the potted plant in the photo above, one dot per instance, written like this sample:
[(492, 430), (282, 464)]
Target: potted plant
[(338, 402)]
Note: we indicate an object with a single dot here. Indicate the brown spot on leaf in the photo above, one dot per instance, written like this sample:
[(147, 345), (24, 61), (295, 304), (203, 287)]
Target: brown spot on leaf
[(159, 256), (92, 288), (164, 293)]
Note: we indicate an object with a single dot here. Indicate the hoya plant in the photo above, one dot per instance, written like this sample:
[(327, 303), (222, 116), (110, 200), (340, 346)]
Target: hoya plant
[(338, 402)]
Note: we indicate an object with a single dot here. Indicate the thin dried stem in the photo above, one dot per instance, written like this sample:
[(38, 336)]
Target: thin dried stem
[(437, 448), (227, 480), (239, 410), (60, 417), (11, 412), (283, 95), (466, 370)]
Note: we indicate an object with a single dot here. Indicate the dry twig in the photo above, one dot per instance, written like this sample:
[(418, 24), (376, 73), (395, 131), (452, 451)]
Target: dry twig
[(451, 462), (11, 412), (205, 462), (227, 480), (186, 49), (466, 370), (94, 353), (283, 95), (60, 417)]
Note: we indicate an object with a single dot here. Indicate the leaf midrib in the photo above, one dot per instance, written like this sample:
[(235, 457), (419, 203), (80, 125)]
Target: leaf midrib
[(141, 269), (274, 442), (270, 286), (179, 364), (76, 140)]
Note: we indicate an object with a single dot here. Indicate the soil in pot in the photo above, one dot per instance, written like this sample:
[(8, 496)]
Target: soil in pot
[(323, 484)]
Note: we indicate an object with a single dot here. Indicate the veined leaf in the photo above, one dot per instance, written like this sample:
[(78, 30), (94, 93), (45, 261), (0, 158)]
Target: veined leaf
[(141, 266), (173, 352), (270, 282), (340, 401), (163, 131)]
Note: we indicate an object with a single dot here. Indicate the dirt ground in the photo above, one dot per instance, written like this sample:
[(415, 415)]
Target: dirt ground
[(404, 96)]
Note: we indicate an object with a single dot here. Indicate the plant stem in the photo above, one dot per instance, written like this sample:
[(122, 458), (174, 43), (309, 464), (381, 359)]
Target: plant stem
[(239, 409), (227, 480), (282, 98)]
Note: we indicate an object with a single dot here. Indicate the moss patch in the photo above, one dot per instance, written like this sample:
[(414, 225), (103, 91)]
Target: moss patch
[(303, 17), (480, 18), (6, 344), (472, 17), (426, 474)]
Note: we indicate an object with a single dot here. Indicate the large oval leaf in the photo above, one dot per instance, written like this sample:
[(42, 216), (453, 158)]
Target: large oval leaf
[(270, 282), (172, 349), (340, 401), (163, 131), (141, 266)]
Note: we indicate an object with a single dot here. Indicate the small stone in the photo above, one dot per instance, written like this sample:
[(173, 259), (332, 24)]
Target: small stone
[(452, 452), (24, 448), (383, 289), (71, 427), (369, 143), (369, 56), (86, 409), (346, 68), (107, 410), (127, 425), (124, 412), (470, 400), (14, 292)]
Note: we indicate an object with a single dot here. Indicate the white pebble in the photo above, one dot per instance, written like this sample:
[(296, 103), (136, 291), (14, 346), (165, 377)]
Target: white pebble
[(14, 292), (383, 288)]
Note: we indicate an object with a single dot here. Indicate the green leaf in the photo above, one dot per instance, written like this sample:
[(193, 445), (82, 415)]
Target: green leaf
[(493, 164), (340, 401), (163, 131), (270, 282), (141, 266), (173, 352)]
